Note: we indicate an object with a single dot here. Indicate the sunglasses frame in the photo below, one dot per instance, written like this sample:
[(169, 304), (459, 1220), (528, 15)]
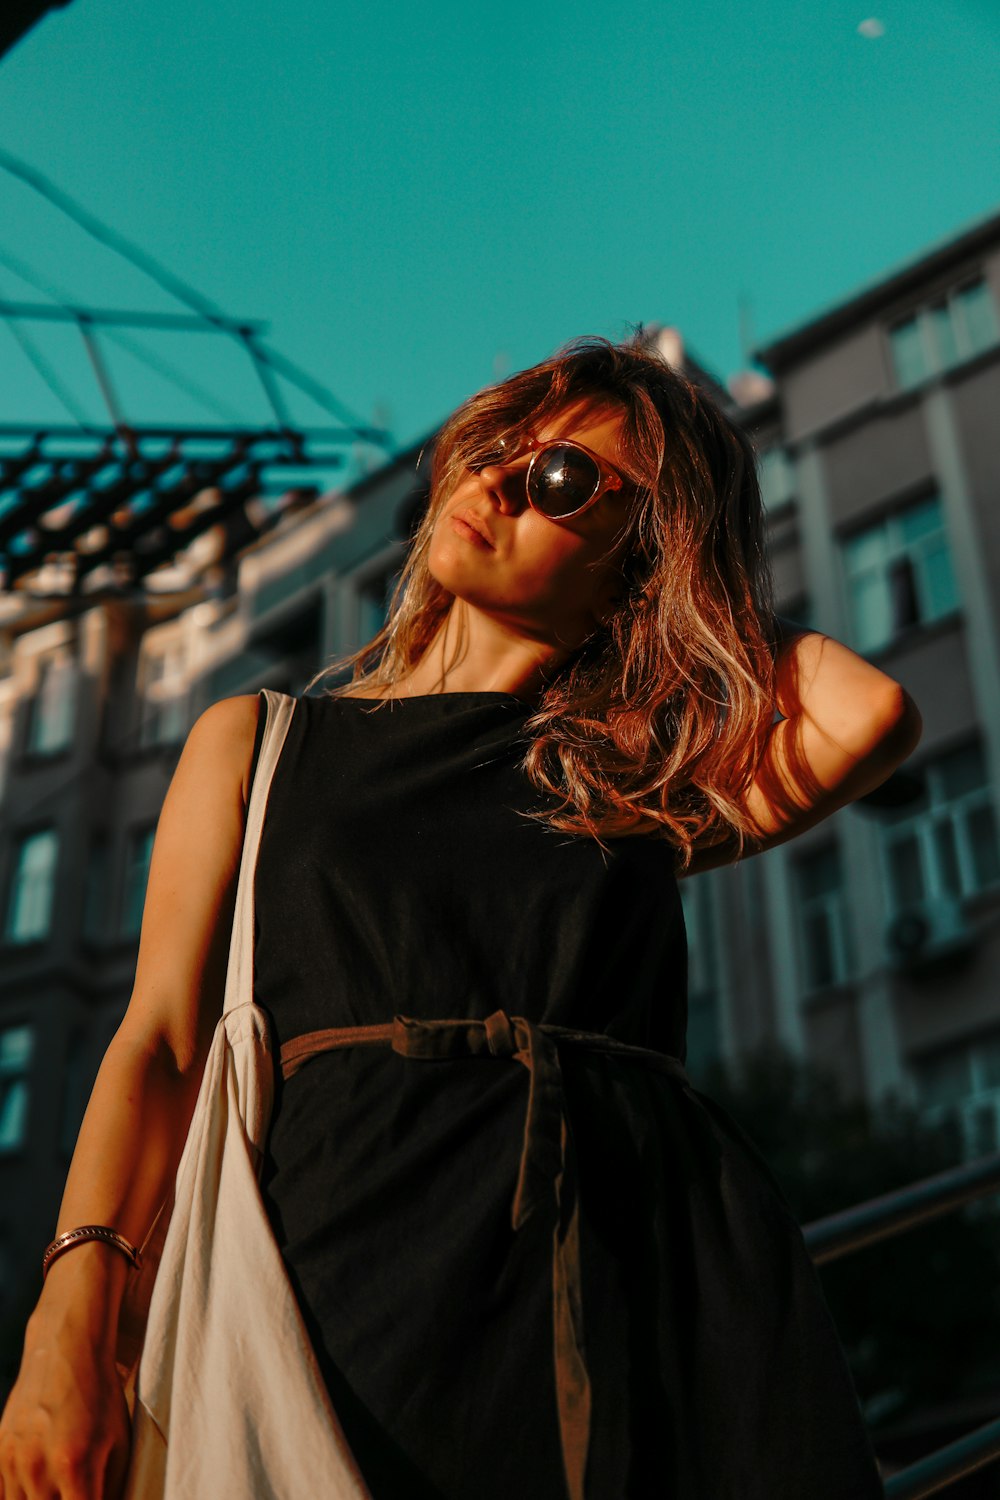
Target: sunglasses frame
[(607, 477)]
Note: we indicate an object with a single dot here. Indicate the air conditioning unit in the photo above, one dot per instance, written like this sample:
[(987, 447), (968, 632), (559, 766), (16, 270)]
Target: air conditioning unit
[(926, 931)]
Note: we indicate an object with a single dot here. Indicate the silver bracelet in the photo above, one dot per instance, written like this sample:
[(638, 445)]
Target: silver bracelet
[(88, 1232)]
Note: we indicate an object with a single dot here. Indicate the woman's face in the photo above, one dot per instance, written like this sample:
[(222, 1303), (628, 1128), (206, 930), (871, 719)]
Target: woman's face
[(540, 577)]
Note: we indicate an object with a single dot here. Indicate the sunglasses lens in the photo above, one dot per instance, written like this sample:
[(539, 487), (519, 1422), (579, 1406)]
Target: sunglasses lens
[(562, 480)]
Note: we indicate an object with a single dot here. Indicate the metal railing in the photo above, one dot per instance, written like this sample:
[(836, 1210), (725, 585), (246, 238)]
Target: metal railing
[(879, 1219)]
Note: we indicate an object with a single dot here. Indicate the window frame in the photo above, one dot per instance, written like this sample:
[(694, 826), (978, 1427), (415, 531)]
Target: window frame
[(21, 839), (699, 910), (21, 1079), (832, 906), (58, 680), (965, 1112), (163, 720), (777, 489), (922, 317), (901, 558), (921, 827)]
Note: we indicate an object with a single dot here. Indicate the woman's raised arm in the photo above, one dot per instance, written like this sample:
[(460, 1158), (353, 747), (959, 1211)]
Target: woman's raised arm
[(64, 1429), (846, 726)]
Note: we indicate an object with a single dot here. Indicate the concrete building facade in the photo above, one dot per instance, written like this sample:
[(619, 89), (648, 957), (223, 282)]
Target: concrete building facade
[(96, 701), (880, 463), (871, 943)]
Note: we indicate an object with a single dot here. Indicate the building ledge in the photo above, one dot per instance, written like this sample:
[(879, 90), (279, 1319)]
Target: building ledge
[(819, 996), (917, 635), (891, 403), (796, 344)]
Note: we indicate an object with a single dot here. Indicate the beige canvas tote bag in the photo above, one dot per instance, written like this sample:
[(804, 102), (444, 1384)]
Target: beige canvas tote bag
[(227, 1399)]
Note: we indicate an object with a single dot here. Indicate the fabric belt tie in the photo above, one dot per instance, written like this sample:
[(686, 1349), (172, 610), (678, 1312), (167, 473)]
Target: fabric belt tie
[(546, 1176)]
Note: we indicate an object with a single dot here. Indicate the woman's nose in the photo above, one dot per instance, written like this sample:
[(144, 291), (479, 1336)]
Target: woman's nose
[(504, 485)]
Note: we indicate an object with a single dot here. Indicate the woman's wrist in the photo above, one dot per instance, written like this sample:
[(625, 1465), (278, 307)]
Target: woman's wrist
[(72, 1239), (82, 1293)]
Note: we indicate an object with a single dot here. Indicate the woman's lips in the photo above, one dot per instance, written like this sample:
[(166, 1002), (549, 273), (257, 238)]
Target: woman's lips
[(469, 532)]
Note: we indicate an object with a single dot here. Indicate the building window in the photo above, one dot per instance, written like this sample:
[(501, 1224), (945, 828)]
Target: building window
[(943, 334), (696, 902), (959, 1088), (826, 952), (53, 708), (898, 574), (908, 357), (140, 849), (373, 603), (945, 842), (703, 1040), (95, 895), (976, 313), (776, 479), (162, 696), (16, 1045), (29, 909)]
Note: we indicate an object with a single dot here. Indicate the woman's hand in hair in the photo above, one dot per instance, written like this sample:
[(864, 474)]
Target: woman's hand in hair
[(844, 728)]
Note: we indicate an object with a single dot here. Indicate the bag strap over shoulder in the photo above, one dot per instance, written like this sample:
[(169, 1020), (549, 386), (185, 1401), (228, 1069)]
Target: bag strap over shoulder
[(239, 977)]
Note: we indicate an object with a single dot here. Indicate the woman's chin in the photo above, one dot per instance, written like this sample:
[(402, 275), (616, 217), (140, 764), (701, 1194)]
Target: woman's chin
[(459, 582)]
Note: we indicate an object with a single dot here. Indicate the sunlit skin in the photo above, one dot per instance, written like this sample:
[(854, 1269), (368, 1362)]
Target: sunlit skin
[(520, 608), (523, 605)]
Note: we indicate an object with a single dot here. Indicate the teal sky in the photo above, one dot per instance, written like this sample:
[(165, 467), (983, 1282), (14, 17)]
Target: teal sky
[(419, 198)]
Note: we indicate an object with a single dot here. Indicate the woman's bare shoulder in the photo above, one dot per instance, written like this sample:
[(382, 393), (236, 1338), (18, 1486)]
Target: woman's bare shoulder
[(225, 732), (191, 888)]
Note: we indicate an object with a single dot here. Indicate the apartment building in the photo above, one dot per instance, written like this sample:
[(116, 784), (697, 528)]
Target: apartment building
[(870, 943), (96, 700), (879, 456)]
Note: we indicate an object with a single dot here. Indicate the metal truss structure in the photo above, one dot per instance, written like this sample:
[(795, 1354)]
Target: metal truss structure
[(148, 507), (112, 507)]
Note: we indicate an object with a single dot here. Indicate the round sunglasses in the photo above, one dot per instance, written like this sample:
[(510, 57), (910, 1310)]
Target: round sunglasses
[(563, 478)]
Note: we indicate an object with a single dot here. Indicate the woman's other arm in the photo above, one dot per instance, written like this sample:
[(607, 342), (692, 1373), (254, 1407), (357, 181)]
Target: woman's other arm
[(846, 726), (64, 1428)]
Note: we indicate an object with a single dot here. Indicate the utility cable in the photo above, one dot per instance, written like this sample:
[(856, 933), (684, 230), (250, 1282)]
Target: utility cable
[(49, 376), (63, 299), (179, 289)]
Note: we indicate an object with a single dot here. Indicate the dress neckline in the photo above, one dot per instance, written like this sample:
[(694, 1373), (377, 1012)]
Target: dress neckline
[(425, 697)]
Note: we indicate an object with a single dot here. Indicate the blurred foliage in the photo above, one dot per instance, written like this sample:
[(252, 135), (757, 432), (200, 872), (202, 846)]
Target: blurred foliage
[(919, 1313)]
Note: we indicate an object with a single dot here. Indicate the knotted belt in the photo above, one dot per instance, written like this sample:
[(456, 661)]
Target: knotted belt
[(547, 1172)]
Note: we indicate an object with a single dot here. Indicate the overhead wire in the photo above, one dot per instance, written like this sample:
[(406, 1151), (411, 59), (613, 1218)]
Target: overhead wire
[(192, 298), (141, 352), (163, 367), (265, 360), (61, 392)]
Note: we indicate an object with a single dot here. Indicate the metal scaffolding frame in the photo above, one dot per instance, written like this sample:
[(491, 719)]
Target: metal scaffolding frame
[(86, 505)]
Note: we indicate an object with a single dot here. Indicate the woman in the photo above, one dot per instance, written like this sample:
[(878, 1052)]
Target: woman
[(574, 1277)]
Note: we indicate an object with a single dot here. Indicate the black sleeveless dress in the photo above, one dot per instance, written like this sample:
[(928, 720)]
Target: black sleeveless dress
[(397, 875)]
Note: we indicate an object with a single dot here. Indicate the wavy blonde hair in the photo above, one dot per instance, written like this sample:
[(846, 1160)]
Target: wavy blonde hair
[(657, 723)]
